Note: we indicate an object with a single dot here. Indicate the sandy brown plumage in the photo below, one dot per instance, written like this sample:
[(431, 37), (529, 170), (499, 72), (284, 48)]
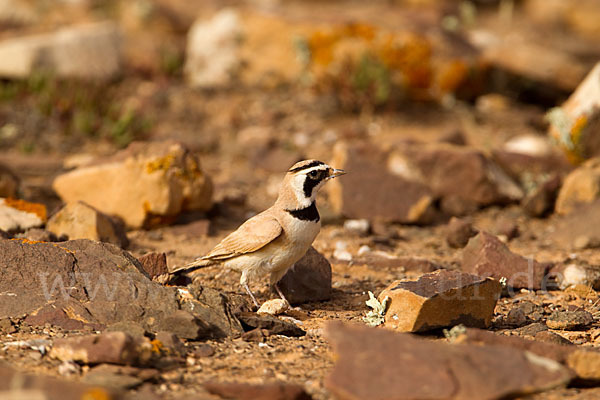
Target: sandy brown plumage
[(272, 241)]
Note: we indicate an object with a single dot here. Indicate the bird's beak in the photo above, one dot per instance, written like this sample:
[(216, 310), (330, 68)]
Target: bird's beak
[(336, 172)]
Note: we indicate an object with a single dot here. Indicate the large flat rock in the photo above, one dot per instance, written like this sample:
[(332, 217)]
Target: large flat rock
[(378, 364), (83, 282)]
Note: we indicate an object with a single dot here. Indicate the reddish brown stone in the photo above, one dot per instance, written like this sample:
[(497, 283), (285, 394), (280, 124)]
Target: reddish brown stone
[(541, 200), (378, 364), (110, 347), (15, 385), (246, 391), (458, 232), (485, 255), (155, 264), (463, 178), (308, 280), (371, 192)]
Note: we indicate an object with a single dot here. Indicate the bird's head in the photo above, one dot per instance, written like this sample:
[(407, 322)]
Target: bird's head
[(304, 179)]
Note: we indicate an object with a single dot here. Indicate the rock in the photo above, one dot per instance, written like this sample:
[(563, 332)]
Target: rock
[(370, 191), (569, 275), (68, 368), (111, 380), (582, 186), (39, 235), (341, 252), (516, 318), (19, 215), (541, 200), (584, 363), (97, 284), (485, 255), (203, 350), (532, 329), (440, 299), (570, 320), (9, 182), (358, 226), (270, 323), (463, 178), (551, 337), (521, 57), (256, 335), (580, 225), (171, 342), (376, 363), (308, 280), (213, 47), (86, 51), (507, 228), (119, 376), (65, 315), (575, 124), (145, 184), (78, 220), (133, 329), (531, 167), (531, 145), (273, 307), (211, 309), (110, 347), (554, 352), (246, 391), (183, 324), (155, 264), (16, 385), (458, 232)]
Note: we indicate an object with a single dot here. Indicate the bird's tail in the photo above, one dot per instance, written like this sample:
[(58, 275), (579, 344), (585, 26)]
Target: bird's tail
[(193, 266)]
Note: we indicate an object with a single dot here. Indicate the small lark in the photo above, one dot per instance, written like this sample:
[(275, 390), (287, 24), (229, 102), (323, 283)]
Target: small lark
[(272, 241)]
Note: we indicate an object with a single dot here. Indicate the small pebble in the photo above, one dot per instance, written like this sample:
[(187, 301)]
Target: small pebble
[(274, 307), (358, 226)]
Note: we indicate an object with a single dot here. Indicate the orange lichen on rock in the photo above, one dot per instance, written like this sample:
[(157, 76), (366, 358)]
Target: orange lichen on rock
[(22, 205), (365, 65), (451, 75)]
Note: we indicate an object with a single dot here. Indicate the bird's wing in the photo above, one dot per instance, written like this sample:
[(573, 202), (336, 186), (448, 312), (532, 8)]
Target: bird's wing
[(252, 235)]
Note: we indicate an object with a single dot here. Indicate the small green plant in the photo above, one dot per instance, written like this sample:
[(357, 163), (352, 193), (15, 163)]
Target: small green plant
[(453, 333), (375, 316), (85, 109), (372, 79)]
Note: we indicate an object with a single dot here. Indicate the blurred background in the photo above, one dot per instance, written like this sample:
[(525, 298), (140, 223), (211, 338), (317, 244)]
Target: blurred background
[(253, 86)]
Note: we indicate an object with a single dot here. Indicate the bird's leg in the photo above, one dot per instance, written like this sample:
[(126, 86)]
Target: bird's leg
[(244, 283), (245, 286), (280, 293)]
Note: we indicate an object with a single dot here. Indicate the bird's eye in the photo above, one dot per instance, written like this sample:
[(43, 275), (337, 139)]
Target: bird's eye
[(313, 174)]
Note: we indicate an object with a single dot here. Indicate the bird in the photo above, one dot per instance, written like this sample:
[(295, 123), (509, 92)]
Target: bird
[(272, 241)]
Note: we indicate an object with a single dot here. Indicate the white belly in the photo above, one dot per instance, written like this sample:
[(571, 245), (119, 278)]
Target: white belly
[(279, 255)]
